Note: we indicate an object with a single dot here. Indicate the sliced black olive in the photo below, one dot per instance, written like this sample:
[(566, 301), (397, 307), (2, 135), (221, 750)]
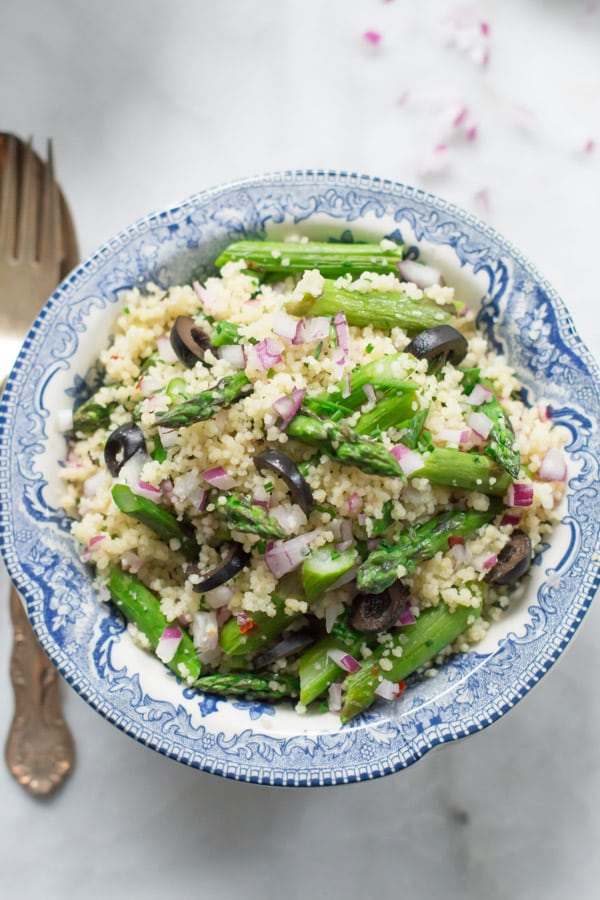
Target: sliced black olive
[(233, 563), (188, 341), (372, 613), (295, 643), (121, 445), (513, 560), (439, 345), (277, 462)]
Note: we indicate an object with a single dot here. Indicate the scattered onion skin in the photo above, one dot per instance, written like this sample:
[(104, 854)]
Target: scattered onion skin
[(126, 439), (188, 341), (233, 563), (281, 464)]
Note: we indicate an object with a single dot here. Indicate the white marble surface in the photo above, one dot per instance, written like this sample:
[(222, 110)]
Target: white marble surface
[(149, 101)]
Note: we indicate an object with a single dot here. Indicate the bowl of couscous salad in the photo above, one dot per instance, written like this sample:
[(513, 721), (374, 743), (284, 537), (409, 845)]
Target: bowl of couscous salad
[(300, 478)]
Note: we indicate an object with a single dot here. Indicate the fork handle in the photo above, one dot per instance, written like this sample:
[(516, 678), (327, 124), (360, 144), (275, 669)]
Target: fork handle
[(39, 750)]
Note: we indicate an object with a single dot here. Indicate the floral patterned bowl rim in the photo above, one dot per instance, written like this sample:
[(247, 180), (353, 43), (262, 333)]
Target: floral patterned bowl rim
[(519, 313)]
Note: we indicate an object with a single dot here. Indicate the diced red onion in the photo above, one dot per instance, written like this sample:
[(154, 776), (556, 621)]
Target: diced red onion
[(223, 614), (410, 461), (64, 419), (361, 518), (386, 689), (96, 539), (288, 406), (480, 394), (291, 517), (168, 643), (510, 519), (282, 557), (269, 352), (345, 535), (132, 562), (165, 348), (285, 325), (459, 552), (370, 393), (344, 660), (234, 355), (519, 494), (263, 503), (313, 328), (205, 632), (168, 437), (420, 275), (342, 331), (480, 424), (144, 489), (203, 295), (219, 596), (355, 503), (335, 697), (483, 562), (553, 466), (456, 436), (543, 411), (406, 617), (219, 478), (147, 386)]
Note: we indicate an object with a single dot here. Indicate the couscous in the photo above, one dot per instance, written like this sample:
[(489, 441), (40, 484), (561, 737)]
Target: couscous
[(308, 477)]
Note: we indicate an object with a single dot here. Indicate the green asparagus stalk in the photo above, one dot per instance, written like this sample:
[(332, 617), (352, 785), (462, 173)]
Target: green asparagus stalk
[(242, 641), (412, 428), (323, 567), (387, 413), (91, 415), (163, 523), (383, 374), (412, 546), (381, 309), (501, 445), (271, 687), (435, 629), (243, 515), (344, 445), (316, 668), (469, 471), (225, 333), (332, 260), (139, 605), (207, 403)]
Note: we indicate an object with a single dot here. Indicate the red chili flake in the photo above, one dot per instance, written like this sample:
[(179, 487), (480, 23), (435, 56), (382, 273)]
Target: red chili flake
[(455, 539), (247, 625), (401, 688), (374, 670)]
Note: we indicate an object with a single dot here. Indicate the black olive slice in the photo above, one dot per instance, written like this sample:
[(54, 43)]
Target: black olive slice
[(277, 462), (233, 563), (439, 345), (295, 643), (121, 445), (513, 560), (188, 341), (372, 613)]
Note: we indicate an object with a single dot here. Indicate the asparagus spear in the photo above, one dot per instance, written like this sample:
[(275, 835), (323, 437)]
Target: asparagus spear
[(225, 333), (381, 309), (139, 605), (159, 520), (323, 567), (331, 260), (274, 686), (91, 415), (242, 515), (434, 630), (501, 445), (316, 668), (412, 546), (466, 470), (207, 403), (236, 640), (388, 412), (344, 445), (382, 374), (412, 428)]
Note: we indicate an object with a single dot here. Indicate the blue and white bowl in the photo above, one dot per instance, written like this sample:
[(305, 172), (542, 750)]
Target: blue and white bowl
[(520, 314)]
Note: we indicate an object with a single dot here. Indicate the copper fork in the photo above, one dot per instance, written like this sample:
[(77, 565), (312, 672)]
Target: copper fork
[(37, 248)]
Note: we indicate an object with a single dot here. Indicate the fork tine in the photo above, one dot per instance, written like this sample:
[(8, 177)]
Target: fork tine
[(8, 195), (28, 216), (50, 230)]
